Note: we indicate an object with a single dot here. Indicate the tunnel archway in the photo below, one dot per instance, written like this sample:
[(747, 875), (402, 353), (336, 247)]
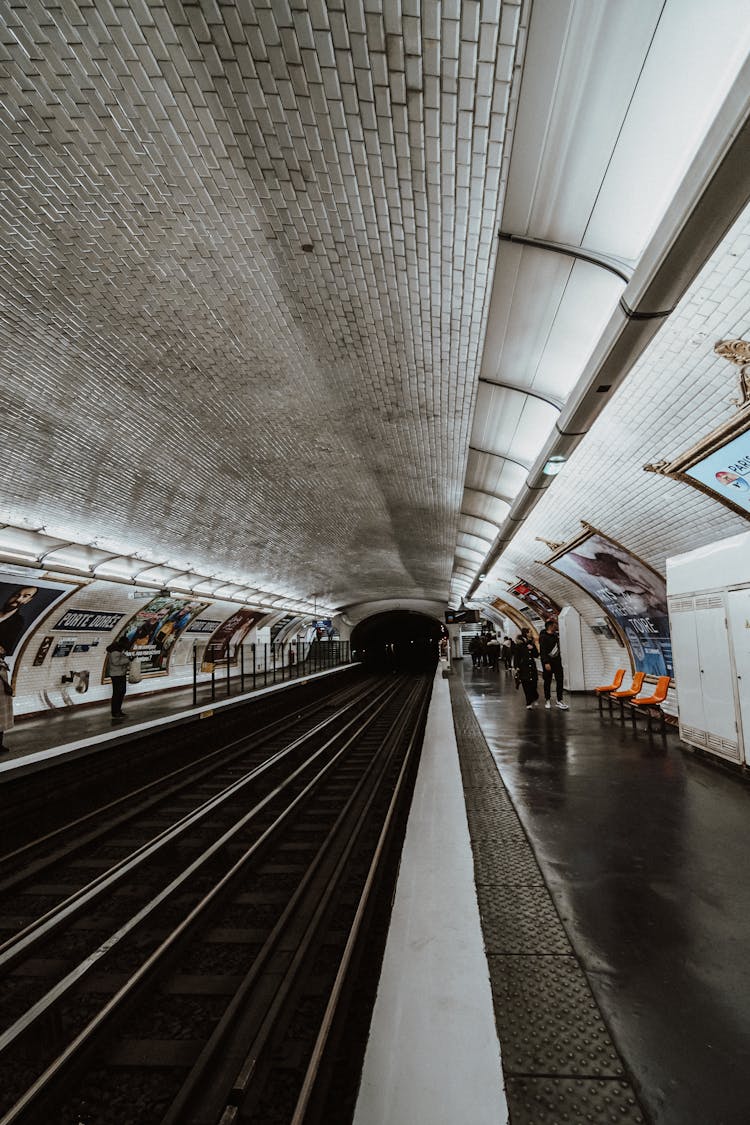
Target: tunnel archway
[(398, 641)]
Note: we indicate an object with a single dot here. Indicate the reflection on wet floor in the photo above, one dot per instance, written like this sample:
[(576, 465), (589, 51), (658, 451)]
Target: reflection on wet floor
[(644, 849)]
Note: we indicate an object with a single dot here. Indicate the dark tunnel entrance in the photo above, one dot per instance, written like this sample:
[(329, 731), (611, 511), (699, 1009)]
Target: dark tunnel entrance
[(398, 641)]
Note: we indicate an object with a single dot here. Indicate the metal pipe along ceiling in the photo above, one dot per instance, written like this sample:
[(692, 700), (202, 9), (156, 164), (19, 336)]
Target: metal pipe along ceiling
[(711, 197)]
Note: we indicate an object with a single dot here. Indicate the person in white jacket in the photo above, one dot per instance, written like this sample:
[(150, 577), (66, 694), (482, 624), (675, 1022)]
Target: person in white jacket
[(118, 663)]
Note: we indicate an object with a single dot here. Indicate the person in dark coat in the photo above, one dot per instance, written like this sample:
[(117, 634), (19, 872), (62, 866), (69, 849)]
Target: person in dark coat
[(527, 673), (549, 652), (118, 665)]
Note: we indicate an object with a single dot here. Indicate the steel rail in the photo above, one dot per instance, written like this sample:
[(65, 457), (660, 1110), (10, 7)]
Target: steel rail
[(342, 981), (22, 944), (192, 773), (213, 1058), (84, 1039), (264, 1038)]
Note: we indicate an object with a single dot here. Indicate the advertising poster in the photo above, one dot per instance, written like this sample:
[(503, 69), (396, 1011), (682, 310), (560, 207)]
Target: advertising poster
[(21, 605), (631, 593), (152, 633), (536, 599), (726, 472), (281, 625), (230, 635)]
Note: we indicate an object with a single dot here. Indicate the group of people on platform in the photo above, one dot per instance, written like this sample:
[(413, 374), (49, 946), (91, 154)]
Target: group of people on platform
[(487, 649)]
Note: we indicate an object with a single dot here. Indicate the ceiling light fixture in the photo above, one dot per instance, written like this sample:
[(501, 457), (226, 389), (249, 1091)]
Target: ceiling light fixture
[(553, 466)]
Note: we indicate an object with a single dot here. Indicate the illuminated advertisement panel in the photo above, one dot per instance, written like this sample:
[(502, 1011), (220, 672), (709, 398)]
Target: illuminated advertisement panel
[(535, 598), (152, 633), (21, 605), (226, 640), (726, 472), (633, 595)]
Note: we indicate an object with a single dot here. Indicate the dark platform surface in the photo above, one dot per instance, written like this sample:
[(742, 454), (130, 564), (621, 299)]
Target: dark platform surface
[(37, 733), (644, 850)]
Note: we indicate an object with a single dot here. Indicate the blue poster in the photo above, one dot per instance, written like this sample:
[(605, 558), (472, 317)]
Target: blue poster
[(727, 472)]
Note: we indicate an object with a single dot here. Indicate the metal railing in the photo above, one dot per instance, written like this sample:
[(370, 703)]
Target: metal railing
[(251, 666)]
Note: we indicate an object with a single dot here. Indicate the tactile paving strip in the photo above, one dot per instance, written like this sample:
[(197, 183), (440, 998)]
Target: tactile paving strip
[(517, 919), (507, 860), (559, 1059), (542, 1101), (548, 1021)]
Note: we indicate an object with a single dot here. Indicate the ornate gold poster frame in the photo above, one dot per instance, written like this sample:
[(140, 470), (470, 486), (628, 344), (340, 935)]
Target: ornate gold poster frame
[(677, 469), (737, 352), (588, 531)]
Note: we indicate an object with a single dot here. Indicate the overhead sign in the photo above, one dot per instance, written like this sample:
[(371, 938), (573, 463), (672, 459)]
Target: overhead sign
[(88, 621), (462, 616)]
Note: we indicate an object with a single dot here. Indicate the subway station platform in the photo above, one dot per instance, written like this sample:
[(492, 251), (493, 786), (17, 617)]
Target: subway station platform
[(38, 740), (644, 848), (608, 869), (568, 941)]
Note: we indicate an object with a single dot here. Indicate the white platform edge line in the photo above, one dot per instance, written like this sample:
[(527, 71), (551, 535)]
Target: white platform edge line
[(433, 1054)]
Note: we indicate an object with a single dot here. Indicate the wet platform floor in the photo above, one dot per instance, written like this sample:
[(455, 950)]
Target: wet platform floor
[(643, 849)]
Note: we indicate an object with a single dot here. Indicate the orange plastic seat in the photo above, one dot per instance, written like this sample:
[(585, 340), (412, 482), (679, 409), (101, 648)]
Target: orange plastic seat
[(619, 677), (650, 703), (659, 695), (633, 690)]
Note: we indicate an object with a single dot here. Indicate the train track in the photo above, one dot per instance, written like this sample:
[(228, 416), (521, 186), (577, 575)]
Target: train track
[(188, 959)]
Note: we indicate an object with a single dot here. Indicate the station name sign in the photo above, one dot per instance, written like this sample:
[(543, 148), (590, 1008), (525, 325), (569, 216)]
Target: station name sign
[(88, 621), (203, 627)]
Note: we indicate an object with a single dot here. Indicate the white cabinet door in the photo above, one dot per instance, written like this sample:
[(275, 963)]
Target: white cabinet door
[(716, 673), (739, 625), (687, 667)]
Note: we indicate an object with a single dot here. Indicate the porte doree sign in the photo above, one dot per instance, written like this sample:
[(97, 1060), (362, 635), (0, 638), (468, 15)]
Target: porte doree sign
[(87, 621)]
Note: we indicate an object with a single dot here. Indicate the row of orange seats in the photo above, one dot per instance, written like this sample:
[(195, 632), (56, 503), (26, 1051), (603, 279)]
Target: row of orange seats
[(631, 694)]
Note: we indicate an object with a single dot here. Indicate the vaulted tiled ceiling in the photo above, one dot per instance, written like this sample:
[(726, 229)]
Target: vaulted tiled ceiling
[(255, 324), (248, 253)]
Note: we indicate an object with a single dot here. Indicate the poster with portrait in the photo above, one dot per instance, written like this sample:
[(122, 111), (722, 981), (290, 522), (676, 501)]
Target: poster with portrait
[(632, 594), (22, 604), (719, 465), (535, 598), (154, 630), (226, 640), (726, 472)]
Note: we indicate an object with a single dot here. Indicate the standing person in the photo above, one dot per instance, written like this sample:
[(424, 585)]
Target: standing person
[(549, 652), (508, 653), (475, 648), (118, 663), (6, 700), (493, 651), (524, 659)]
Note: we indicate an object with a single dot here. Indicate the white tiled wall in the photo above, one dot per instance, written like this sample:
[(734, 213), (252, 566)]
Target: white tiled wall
[(41, 688)]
